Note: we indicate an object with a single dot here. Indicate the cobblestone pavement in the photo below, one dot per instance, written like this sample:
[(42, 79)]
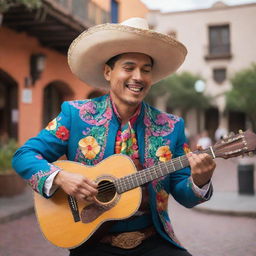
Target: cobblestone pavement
[(202, 234)]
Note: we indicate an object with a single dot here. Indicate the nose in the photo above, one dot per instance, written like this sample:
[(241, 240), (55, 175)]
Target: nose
[(137, 74)]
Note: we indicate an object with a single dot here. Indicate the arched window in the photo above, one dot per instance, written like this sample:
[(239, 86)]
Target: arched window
[(54, 94), (8, 107)]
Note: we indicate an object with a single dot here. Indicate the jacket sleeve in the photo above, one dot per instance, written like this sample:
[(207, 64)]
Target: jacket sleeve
[(179, 183), (33, 161)]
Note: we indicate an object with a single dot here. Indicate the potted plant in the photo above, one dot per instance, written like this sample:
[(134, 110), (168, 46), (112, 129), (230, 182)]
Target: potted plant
[(10, 182)]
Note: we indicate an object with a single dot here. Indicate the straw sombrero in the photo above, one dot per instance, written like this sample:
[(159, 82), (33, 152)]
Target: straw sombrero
[(94, 47)]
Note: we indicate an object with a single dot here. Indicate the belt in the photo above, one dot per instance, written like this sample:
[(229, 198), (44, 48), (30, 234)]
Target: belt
[(128, 240)]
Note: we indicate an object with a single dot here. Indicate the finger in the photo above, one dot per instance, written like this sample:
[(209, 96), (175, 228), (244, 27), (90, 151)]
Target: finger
[(91, 183), (198, 147)]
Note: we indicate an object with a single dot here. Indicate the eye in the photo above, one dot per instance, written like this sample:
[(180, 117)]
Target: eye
[(146, 71), (128, 69)]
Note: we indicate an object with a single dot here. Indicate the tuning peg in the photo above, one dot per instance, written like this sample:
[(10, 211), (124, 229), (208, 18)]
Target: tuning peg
[(231, 134), (241, 131), (250, 154)]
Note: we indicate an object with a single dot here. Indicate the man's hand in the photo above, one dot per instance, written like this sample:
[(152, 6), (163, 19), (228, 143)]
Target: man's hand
[(202, 167), (76, 185)]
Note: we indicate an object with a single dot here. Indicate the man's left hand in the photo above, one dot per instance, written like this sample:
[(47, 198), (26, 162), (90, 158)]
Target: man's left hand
[(202, 167)]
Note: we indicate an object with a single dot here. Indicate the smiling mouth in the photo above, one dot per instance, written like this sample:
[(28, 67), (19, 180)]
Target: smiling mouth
[(134, 87)]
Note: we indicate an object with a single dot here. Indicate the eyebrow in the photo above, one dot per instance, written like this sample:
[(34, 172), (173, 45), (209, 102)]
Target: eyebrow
[(133, 63)]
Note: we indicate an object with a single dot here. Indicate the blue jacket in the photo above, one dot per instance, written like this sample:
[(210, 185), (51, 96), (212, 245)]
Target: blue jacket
[(159, 135)]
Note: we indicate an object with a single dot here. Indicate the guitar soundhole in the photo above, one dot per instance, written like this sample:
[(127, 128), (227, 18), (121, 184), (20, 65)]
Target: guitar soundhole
[(106, 191)]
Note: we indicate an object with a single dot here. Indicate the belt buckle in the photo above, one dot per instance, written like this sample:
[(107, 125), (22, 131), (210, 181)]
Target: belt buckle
[(128, 240)]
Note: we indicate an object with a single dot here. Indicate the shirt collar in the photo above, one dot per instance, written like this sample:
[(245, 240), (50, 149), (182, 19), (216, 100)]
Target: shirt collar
[(133, 118)]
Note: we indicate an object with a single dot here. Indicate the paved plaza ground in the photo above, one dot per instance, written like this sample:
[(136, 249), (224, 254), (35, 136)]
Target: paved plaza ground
[(203, 234)]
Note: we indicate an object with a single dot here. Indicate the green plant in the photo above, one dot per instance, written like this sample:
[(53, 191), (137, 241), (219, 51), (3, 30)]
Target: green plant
[(242, 96), (30, 4), (182, 93), (6, 153)]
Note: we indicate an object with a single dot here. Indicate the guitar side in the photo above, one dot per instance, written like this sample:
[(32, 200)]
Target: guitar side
[(55, 216)]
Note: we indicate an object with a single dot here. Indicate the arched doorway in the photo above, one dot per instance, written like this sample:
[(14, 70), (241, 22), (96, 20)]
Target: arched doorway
[(54, 94), (95, 94), (8, 107), (211, 118)]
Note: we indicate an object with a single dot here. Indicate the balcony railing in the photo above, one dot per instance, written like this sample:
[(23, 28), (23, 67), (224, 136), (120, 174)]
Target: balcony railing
[(218, 52), (85, 11)]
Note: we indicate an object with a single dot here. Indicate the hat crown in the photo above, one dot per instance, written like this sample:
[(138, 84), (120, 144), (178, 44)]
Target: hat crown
[(136, 23)]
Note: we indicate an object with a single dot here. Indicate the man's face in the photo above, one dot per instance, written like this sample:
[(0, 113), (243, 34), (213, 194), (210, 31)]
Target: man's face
[(130, 79)]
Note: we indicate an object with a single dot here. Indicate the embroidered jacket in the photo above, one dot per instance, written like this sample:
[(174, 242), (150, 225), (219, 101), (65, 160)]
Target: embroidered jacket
[(93, 123)]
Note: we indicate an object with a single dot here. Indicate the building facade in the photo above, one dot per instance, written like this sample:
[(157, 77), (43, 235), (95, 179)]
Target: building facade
[(220, 41), (34, 75)]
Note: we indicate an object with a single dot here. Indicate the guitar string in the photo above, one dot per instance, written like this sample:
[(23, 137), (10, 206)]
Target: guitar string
[(139, 174), (127, 180)]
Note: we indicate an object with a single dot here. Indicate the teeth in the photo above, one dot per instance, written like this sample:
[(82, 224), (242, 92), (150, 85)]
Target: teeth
[(135, 89)]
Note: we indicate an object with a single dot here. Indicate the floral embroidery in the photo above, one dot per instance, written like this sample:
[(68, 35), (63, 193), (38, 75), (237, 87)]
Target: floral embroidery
[(99, 132), (126, 142), (94, 112), (52, 125), (37, 180), (164, 153), (162, 200), (57, 129), (62, 133), (89, 147), (39, 156), (186, 148), (158, 126)]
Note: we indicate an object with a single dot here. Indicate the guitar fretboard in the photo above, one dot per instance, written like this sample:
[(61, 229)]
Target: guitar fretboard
[(157, 171)]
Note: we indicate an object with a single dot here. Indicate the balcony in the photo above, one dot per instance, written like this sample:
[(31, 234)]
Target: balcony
[(57, 22), (214, 52)]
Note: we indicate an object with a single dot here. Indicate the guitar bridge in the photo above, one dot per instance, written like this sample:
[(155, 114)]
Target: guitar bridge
[(74, 208)]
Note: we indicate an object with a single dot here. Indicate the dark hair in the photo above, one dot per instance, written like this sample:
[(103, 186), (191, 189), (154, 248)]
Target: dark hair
[(111, 62)]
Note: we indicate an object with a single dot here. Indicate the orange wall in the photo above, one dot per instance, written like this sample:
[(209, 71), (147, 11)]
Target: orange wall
[(131, 8), (15, 51), (127, 8)]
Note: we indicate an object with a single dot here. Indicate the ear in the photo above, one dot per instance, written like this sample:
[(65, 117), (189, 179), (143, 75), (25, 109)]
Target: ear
[(107, 72)]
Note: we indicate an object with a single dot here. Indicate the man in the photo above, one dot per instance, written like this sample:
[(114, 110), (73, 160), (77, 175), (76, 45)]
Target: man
[(127, 59)]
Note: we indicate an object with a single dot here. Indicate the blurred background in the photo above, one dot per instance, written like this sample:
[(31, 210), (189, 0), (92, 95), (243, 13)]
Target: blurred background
[(214, 91)]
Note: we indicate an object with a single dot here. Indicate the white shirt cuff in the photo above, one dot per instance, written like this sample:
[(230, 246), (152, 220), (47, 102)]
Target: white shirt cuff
[(203, 190), (49, 187)]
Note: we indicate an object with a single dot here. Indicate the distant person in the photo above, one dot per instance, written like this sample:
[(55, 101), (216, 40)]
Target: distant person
[(204, 140), (220, 133)]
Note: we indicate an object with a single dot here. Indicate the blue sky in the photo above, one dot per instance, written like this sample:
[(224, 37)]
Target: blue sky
[(179, 5)]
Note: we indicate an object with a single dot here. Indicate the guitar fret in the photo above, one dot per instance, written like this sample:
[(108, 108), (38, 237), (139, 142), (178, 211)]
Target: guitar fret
[(173, 166), (181, 163)]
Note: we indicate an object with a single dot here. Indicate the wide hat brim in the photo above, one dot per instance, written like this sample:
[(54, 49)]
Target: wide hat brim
[(89, 52)]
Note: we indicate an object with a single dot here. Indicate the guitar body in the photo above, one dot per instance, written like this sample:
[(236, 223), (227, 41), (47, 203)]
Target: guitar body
[(55, 215)]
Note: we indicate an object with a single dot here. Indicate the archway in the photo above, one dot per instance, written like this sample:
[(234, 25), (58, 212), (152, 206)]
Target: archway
[(8, 107), (54, 94)]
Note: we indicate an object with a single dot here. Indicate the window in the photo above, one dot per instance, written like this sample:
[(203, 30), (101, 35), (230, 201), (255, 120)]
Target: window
[(219, 41), (114, 11), (219, 75)]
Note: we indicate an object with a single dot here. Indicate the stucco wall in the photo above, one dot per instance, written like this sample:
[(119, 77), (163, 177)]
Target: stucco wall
[(15, 51)]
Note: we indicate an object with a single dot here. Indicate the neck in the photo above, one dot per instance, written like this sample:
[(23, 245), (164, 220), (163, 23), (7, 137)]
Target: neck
[(125, 111)]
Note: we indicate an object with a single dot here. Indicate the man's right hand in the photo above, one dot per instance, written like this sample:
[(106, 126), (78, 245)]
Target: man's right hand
[(76, 185)]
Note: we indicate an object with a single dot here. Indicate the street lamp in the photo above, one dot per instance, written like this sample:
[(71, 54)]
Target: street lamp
[(37, 66), (200, 86)]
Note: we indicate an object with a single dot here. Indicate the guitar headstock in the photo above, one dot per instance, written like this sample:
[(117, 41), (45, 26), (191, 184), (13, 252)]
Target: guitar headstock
[(235, 145)]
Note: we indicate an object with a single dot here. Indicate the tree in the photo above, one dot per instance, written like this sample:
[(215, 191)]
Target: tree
[(242, 96), (6, 4), (182, 93)]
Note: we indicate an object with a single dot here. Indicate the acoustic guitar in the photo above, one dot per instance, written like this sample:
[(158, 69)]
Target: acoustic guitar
[(68, 223)]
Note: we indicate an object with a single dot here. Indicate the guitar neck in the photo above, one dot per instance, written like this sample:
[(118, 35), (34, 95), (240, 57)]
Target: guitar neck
[(154, 172)]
